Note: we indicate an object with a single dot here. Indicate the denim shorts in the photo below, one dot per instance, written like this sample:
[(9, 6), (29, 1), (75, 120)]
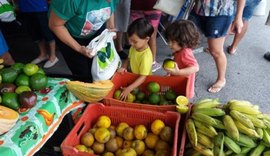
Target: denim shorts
[(249, 9), (3, 44), (212, 27)]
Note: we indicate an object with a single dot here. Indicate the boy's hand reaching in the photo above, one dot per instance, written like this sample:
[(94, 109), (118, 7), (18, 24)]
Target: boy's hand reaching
[(122, 70), (173, 71), (124, 94)]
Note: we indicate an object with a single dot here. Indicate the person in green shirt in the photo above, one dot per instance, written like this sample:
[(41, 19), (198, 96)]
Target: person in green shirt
[(75, 23)]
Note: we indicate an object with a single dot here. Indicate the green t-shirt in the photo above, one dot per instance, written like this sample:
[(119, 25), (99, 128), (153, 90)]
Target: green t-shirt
[(83, 17)]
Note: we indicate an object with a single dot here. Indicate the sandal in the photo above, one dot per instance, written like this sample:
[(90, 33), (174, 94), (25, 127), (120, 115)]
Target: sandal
[(231, 52), (267, 56), (215, 88)]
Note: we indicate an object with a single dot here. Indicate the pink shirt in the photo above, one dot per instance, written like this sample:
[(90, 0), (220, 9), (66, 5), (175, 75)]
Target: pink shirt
[(185, 58)]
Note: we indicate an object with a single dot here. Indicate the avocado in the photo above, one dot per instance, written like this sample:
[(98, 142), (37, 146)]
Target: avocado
[(9, 75), (7, 88), (10, 100)]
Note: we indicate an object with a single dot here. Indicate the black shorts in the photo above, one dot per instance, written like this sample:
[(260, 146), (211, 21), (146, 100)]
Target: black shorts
[(38, 26)]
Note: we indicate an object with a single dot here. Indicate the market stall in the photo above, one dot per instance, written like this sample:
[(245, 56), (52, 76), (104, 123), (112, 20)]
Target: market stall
[(36, 125)]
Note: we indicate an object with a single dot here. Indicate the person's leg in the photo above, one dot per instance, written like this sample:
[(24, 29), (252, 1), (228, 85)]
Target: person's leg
[(8, 60), (237, 38), (216, 49)]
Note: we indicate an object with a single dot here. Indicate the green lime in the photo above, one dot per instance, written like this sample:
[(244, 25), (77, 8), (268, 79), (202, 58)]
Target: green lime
[(140, 96), (9, 75), (154, 98), (10, 100), (38, 81), (22, 80), (21, 89), (153, 87), (116, 94), (18, 66), (30, 69), (170, 95), (41, 71)]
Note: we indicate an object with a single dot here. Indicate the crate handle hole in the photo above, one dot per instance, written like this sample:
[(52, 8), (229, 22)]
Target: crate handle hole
[(80, 129)]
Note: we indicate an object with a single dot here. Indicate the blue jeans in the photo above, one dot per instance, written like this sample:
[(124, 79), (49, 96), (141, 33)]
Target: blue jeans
[(212, 26), (249, 9)]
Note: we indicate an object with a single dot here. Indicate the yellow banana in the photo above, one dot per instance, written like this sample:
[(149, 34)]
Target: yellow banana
[(256, 121), (205, 129), (244, 107), (245, 130), (210, 111), (205, 140), (191, 131), (206, 119), (203, 150), (219, 124), (1, 61), (258, 150), (231, 127), (259, 132), (232, 145), (266, 153), (209, 103), (242, 118)]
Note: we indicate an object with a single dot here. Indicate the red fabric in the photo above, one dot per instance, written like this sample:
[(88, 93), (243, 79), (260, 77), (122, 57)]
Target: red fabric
[(142, 4), (185, 58)]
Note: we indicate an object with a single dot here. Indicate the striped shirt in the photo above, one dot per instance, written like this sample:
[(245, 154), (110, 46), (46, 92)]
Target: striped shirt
[(6, 12), (215, 7)]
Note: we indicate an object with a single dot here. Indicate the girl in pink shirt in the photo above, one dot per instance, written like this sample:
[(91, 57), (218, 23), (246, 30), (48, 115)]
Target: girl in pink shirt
[(182, 36)]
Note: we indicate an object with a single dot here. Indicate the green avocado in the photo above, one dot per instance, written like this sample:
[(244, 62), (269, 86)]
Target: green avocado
[(38, 81), (10, 100), (9, 75)]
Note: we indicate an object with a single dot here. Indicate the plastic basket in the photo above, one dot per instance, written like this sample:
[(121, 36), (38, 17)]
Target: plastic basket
[(179, 84), (117, 114)]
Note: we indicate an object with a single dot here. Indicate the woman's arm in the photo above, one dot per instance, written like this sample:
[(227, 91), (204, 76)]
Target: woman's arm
[(131, 87), (57, 25), (237, 23)]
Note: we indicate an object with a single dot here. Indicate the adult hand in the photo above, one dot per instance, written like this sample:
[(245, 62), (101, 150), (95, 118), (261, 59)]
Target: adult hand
[(237, 26), (86, 52)]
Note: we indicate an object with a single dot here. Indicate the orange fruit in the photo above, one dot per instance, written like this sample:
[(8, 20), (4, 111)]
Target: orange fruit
[(182, 100), (103, 122), (168, 64), (157, 126)]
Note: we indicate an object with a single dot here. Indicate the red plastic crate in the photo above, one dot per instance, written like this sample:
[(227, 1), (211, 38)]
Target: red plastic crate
[(117, 114), (177, 83)]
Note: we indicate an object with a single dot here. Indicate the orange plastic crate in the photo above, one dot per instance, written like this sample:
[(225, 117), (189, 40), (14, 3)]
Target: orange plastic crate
[(177, 83), (117, 114)]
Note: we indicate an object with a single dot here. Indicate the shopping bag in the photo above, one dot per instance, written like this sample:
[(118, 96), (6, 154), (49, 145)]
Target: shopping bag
[(171, 7), (106, 60)]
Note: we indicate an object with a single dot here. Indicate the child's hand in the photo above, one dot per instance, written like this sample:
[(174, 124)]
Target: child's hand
[(173, 71), (122, 70), (124, 94)]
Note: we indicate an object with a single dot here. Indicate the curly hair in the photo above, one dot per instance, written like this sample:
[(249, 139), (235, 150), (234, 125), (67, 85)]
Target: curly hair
[(184, 32), (141, 27)]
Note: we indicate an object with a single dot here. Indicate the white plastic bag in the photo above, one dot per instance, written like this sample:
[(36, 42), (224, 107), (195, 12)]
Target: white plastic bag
[(171, 7), (106, 59)]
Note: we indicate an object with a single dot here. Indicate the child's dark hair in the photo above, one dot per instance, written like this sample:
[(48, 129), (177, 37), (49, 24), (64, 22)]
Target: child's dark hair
[(184, 32), (141, 27)]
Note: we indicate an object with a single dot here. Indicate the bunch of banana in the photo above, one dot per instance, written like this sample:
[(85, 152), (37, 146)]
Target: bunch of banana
[(236, 128), (1, 63)]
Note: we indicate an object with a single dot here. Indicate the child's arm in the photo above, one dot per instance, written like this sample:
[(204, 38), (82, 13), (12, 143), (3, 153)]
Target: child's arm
[(124, 67), (184, 71), (134, 85)]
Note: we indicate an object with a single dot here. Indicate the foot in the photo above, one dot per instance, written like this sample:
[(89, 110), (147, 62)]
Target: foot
[(216, 87), (206, 50), (231, 51), (39, 59), (50, 63), (122, 55), (267, 56), (155, 66)]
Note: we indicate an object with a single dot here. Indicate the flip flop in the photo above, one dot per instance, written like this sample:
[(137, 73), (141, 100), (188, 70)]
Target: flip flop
[(267, 56), (216, 88), (231, 52)]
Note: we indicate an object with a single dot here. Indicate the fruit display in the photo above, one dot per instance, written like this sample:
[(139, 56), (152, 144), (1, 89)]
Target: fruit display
[(235, 128), (90, 92), (125, 140), (18, 83), (152, 93), (8, 119)]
